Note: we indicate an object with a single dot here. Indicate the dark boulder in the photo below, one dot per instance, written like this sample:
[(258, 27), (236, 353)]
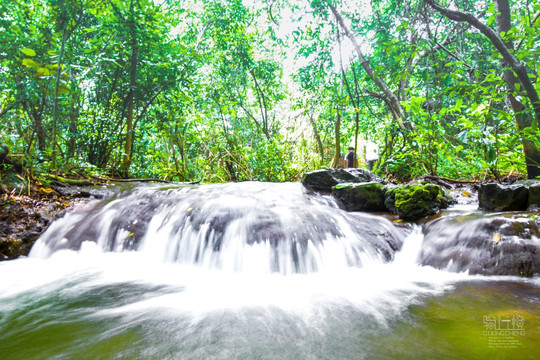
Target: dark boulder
[(497, 197), (360, 196), (534, 195), (484, 245), (412, 202), (324, 179)]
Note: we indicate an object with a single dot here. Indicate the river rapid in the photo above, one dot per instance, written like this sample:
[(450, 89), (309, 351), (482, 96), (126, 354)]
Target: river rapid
[(251, 271)]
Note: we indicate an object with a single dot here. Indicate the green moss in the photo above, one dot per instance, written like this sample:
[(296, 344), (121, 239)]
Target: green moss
[(413, 202), (372, 192), (361, 196)]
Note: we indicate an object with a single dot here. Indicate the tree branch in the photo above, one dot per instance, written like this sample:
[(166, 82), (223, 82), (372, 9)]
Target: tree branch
[(394, 104), (499, 44)]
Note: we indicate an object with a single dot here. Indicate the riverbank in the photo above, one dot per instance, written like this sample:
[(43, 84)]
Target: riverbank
[(23, 218)]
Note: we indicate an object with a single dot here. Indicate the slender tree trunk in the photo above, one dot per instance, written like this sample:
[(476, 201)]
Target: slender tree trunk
[(128, 145), (337, 149), (317, 136), (522, 116), (393, 102), (35, 112), (262, 105), (73, 119), (56, 88)]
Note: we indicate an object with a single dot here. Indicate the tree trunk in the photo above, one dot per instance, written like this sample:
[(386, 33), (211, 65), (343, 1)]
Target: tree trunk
[(337, 152), (35, 112), (513, 64), (73, 119), (128, 145), (393, 102), (56, 88), (522, 116), (317, 136)]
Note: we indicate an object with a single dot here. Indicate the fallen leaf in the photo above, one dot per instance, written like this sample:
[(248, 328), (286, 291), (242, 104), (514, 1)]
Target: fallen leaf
[(496, 238), (466, 194)]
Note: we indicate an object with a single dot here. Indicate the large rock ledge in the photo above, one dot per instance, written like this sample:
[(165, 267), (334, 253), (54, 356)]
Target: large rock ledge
[(325, 179), (361, 190), (516, 197), (492, 244)]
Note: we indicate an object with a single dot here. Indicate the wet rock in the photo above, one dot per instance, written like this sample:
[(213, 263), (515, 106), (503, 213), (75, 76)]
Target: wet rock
[(496, 197), (484, 245), (361, 196), (534, 195), (412, 202), (324, 179)]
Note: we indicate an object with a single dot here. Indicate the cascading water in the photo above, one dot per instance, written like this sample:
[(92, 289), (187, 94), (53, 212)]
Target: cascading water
[(250, 227), (251, 271)]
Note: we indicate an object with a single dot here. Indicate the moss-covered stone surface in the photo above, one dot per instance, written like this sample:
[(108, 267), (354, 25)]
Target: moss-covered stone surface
[(361, 197), (412, 202)]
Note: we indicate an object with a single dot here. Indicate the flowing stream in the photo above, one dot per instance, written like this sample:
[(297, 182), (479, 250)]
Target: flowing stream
[(251, 271)]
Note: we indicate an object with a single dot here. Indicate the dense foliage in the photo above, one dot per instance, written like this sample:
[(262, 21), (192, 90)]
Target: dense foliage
[(231, 90)]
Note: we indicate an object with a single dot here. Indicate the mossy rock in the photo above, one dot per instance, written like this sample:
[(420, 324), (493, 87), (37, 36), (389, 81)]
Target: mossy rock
[(360, 197), (413, 202)]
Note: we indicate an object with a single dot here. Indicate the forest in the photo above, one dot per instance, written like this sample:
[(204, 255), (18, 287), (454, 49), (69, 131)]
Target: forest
[(232, 90)]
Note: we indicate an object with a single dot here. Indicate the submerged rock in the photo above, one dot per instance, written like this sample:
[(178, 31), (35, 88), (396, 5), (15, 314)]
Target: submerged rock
[(361, 196), (412, 202), (324, 179), (484, 245)]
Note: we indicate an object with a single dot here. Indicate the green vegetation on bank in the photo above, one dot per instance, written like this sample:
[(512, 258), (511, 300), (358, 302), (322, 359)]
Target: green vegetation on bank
[(231, 90)]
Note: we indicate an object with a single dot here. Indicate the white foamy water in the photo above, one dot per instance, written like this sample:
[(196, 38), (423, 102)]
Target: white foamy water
[(246, 227), (231, 246), (382, 290)]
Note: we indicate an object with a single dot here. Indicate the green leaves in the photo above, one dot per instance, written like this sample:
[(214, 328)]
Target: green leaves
[(29, 63), (28, 52), (213, 99)]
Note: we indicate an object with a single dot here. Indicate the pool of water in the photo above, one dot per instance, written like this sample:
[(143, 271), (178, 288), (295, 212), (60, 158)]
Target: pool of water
[(93, 305)]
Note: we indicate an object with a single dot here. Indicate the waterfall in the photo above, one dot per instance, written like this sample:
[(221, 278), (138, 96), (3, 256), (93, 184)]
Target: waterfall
[(246, 227), (263, 271)]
